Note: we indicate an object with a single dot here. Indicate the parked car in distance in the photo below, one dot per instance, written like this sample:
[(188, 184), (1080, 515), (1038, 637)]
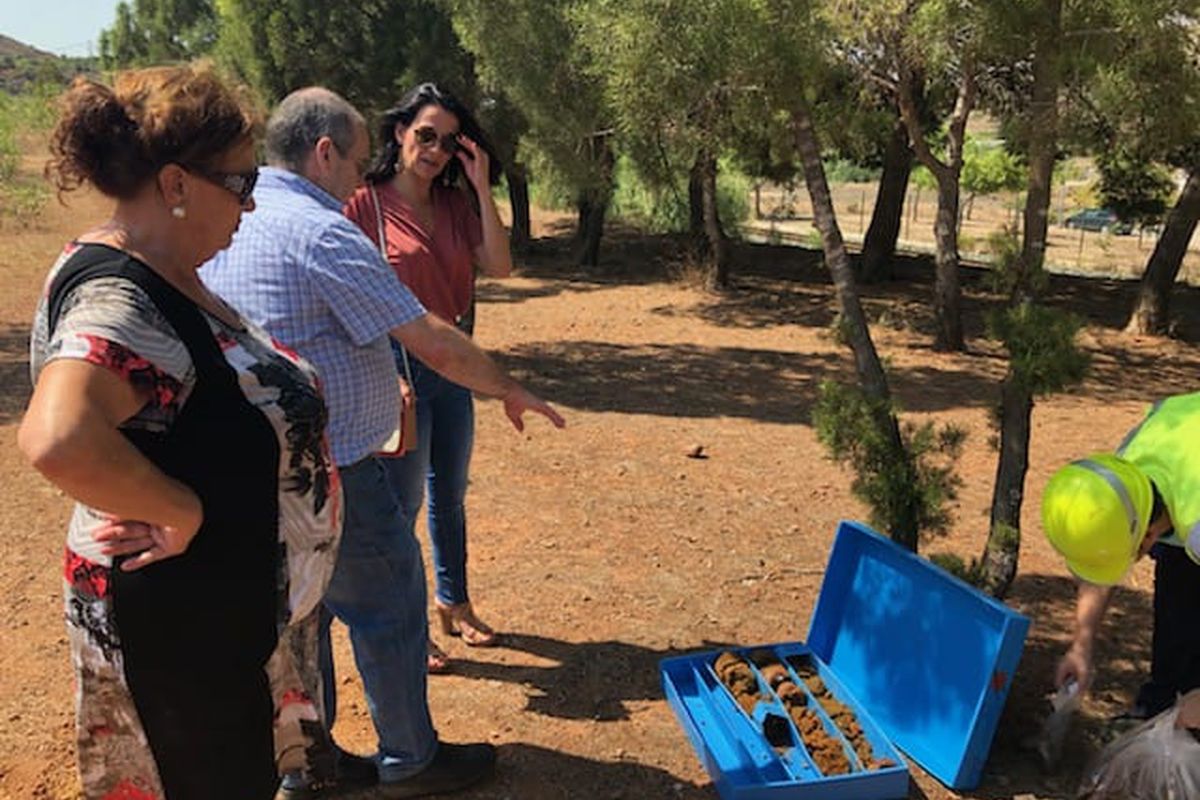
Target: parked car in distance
[(1099, 219)]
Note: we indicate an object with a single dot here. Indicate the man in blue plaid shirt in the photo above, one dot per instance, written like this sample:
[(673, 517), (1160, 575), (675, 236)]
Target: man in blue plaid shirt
[(308, 275)]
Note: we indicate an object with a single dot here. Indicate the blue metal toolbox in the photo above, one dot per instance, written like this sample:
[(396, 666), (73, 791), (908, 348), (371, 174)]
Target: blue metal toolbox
[(900, 654)]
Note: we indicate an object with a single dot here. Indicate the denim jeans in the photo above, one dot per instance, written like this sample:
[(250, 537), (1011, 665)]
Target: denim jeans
[(378, 591), (445, 435)]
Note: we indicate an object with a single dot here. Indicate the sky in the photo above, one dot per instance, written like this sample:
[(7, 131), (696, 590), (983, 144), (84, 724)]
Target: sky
[(66, 27)]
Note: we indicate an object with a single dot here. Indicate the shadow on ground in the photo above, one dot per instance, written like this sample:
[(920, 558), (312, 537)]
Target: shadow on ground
[(777, 285), (587, 680), (686, 380), (1122, 663), (595, 680), (528, 772)]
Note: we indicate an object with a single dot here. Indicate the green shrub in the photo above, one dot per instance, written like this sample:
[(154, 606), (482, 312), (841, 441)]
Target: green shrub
[(956, 566), (1041, 344), (850, 425), (9, 153), (24, 202), (839, 170), (9, 157), (34, 110), (665, 209)]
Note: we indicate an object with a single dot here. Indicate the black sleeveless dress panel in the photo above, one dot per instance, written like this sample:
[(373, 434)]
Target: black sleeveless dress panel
[(196, 630)]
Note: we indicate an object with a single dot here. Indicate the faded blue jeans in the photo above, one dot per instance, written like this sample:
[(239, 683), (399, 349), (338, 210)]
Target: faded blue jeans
[(378, 591), (445, 435)]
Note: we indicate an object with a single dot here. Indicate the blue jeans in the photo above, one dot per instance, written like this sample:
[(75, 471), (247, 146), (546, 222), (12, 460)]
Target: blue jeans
[(445, 435), (378, 590)]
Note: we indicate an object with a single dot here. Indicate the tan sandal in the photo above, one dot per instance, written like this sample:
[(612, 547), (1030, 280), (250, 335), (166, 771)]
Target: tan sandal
[(460, 620)]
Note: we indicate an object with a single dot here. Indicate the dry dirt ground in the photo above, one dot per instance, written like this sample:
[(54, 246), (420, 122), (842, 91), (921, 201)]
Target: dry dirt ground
[(601, 549)]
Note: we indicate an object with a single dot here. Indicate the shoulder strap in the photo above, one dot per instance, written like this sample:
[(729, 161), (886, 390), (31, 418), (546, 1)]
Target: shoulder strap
[(101, 261), (383, 252), (380, 236)]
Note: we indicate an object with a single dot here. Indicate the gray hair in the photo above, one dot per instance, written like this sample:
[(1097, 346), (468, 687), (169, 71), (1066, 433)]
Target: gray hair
[(302, 118)]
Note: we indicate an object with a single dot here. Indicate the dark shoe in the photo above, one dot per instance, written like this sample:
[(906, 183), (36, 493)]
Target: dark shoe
[(454, 767), (354, 773), (1135, 713)]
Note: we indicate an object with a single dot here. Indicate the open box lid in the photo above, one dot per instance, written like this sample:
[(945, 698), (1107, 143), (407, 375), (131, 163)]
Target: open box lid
[(930, 658)]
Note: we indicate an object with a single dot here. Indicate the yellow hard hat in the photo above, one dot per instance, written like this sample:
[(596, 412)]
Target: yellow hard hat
[(1095, 512)]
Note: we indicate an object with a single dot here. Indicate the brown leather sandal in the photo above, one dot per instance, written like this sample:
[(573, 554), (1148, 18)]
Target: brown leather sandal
[(460, 620)]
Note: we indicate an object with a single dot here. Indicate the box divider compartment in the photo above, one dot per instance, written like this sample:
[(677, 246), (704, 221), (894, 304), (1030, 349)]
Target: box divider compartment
[(765, 758), (797, 762), (831, 727)]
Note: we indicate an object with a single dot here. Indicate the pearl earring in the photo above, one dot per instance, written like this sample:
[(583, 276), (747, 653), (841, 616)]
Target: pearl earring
[(178, 212)]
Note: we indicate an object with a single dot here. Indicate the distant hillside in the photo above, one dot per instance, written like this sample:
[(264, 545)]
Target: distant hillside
[(22, 66), (10, 47)]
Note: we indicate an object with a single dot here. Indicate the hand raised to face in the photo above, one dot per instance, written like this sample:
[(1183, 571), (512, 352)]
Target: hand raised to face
[(475, 163)]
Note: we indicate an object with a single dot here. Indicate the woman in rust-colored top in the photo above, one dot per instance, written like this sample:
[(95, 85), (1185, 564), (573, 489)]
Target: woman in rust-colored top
[(435, 169)]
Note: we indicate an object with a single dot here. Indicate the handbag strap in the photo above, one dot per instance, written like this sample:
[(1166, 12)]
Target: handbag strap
[(382, 238)]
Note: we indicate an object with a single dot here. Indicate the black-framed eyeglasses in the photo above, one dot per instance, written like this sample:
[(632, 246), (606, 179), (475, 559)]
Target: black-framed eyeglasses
[(239, 184), (427, 135)]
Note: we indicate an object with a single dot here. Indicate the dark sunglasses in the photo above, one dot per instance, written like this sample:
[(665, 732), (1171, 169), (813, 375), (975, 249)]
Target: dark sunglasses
[(426, 136), (239, 184)]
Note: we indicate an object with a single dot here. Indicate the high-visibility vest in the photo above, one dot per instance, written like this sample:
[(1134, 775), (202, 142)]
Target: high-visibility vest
[(1166, 446)]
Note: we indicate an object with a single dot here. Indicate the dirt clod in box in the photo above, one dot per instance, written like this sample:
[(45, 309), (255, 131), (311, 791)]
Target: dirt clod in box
[(738, 677), (840, 713), (825, 750), (791, 694), (777, 731), (762, 656), (774, 674)]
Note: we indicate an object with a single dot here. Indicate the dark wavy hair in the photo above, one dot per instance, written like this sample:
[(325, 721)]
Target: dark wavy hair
[(402, 115)]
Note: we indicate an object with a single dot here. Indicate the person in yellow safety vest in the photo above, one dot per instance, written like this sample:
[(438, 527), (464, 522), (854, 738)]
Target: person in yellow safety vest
[(1104, 512)]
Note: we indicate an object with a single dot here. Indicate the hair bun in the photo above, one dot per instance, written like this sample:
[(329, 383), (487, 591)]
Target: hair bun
[(97, 141), (118, 138)]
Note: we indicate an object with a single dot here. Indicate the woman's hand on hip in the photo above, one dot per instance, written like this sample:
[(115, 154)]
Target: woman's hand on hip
[(147, 542)]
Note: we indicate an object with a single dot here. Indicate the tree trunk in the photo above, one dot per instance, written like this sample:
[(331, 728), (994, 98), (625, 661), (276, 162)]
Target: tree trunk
[(1043, 145), (1151, 309), (998, 567), (593, 206), (518, 196), (714, 237), (696, 203), (879, 245), (999, 564), (947, 295), (866, 360)]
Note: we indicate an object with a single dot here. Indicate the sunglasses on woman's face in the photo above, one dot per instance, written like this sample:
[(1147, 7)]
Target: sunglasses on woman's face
[(426, 136), (239, 184)]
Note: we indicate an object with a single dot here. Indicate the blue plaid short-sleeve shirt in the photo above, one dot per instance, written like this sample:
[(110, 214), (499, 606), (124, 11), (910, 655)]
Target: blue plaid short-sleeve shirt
[(301, 270)]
